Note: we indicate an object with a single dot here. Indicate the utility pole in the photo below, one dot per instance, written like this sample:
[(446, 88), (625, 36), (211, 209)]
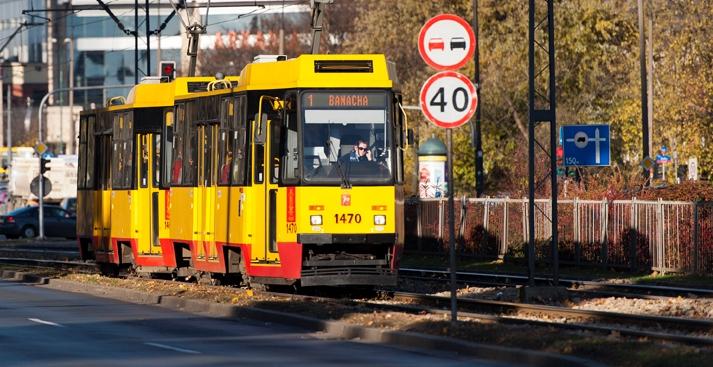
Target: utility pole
[(148, 41), (644, 95), (72, 130), (9, 120), (158, 42), (650, 78), (2, 118), (477, 136), (136, 41)]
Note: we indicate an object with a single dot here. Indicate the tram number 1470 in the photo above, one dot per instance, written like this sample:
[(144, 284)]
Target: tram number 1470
[(347, 218)]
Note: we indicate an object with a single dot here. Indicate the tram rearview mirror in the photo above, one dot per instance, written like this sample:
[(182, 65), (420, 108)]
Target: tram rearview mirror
[(260, 122)]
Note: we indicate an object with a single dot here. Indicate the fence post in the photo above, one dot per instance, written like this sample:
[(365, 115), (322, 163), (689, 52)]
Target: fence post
[(419, 230), (506, 229), (525, 229), (577, 235), (634, 237), (660, 262), (696, 236), (604, 231), (461, 229), (486, 213), (441, 214)]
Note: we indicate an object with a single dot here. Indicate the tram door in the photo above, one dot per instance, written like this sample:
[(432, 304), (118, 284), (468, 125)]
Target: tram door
[(147, 212), (206, 191), (265, 179), (102, 214)]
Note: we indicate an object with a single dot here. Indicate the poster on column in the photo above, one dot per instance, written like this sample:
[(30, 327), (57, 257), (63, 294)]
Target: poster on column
[(432, 179)]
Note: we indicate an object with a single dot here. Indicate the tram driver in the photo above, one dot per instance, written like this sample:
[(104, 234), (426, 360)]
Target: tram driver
[(359, 154)]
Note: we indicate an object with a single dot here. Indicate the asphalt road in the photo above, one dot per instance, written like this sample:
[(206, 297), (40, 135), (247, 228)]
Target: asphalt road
[(45, 327)]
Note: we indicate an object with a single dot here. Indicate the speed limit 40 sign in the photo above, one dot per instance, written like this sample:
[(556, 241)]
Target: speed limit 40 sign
[(448, 99)]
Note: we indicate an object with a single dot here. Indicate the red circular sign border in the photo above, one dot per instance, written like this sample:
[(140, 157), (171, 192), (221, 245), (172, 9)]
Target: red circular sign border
[(444, 74), (422, 35)]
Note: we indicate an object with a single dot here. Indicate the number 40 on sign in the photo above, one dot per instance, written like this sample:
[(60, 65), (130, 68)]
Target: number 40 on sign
[(448, 99)]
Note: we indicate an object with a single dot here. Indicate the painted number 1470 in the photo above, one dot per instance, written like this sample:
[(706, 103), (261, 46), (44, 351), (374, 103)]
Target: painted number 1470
[(347, 218)]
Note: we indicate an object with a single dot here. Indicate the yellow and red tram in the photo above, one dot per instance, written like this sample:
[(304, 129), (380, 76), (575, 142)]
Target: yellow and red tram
[(290, 174)]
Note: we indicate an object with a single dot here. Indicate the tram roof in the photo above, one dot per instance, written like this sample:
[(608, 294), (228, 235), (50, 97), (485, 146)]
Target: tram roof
[(318, 71), (163, 94)]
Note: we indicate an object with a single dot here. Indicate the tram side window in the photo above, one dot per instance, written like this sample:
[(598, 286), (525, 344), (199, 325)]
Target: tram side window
[(225, 139), (167, 156), (144, 161), (156, 160), (290, 156), (118, 149), (178, 135), (81, 172), (128, 149), (122, 165), (190, 156), (400, 138), (89, 181), (276, 138), (242, 151), (105, 161)]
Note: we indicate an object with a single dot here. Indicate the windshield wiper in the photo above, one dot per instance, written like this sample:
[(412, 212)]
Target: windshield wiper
[(342, 174)]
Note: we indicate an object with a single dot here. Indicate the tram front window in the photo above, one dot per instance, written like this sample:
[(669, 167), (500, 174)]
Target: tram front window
[(346, 138)]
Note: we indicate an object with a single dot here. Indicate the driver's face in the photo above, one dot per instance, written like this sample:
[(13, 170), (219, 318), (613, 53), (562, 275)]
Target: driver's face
[(361, 149)]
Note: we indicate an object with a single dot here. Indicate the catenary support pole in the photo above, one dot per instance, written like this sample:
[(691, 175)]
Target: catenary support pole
[(644, 94), (477, 132), (148, 40)]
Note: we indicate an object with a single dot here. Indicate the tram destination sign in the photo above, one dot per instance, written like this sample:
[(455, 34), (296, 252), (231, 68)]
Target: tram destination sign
[(344, 100)]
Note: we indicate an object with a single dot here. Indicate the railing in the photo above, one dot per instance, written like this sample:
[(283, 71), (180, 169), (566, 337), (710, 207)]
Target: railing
[(663, 236)]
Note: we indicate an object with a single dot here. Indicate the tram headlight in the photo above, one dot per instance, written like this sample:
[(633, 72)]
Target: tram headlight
[(315, 220), (379, 220)]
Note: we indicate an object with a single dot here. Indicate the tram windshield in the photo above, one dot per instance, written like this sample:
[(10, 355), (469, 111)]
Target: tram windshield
[(346, 137)]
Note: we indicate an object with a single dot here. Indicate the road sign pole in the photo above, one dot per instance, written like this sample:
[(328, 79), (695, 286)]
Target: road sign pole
[(41, 235), (452, 228)]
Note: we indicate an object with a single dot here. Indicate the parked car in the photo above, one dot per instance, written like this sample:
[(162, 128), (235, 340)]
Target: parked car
[(70, 205), (24, 222)]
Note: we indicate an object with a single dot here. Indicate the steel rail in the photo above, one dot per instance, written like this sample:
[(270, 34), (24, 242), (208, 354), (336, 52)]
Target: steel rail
[(513, 279), (509, 320), (473, 305), (74, 265)]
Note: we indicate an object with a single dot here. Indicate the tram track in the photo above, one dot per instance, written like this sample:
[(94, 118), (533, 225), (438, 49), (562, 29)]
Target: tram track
[(588, 287), (673, 329), (670, 329)]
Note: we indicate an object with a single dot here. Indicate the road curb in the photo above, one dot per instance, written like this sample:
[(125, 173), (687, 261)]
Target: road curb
[(330, 329)]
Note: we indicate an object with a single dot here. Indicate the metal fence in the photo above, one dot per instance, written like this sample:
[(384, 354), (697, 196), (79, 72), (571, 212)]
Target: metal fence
[(663, 236)]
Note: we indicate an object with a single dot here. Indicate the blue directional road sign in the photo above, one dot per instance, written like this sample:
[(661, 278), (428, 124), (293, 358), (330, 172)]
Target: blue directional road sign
[(586, 145)]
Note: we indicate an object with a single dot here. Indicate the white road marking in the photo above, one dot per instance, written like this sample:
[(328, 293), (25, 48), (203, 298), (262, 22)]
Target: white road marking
[(45, 322), (164, 346)]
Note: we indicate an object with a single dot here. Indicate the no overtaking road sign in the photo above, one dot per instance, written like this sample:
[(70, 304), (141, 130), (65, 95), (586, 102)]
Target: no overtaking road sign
[(446, 42)]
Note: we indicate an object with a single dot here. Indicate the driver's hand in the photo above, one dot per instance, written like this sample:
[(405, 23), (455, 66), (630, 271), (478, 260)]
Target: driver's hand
[(368, 154)]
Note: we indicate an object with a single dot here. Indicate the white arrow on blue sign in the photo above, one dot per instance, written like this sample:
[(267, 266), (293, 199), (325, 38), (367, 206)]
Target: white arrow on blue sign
[(586, 145)]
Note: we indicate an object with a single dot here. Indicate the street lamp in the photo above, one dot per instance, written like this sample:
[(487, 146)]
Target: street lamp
[(70, 148), (72, 130)]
